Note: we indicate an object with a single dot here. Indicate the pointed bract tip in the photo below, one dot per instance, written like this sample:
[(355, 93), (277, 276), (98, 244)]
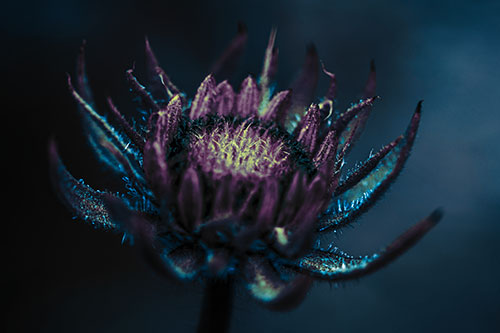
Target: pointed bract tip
[(131, 69), (70, 84), (209, 77), (175, 100), (52, 147), (242, 28), (419, 106), (311, 49), (83, 45), (436, 215), (110, 102), (150, 56), (272, 35), (323, 67), (209, 81)]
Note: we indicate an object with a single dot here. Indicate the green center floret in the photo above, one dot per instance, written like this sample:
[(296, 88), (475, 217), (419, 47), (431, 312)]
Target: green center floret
[(239, 149)]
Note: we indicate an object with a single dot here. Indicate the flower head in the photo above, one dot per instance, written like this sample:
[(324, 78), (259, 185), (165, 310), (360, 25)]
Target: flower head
[(238, 184)]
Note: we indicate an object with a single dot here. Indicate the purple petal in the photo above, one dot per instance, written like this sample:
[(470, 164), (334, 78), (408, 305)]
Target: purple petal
[(269, 202), (167, 122), (292, 199), (224, 100), (325, 156), (157, 146), (190, 199), (223, 198), (156, 169), (245, 209), (276, 110), (297, 236), (307, 131), (247, 100), (204, 98)]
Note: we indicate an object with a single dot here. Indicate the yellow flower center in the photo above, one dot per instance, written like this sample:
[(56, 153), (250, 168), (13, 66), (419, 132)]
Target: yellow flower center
[(245, 150)]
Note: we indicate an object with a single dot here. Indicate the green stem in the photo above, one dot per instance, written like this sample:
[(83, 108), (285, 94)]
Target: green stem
[(217, 307)]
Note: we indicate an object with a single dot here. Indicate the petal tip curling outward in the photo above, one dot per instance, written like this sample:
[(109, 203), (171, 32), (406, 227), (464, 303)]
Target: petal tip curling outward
[(332, 87), (335, 266)]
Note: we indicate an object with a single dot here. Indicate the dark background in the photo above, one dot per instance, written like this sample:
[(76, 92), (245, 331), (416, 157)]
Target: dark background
[(62, 276)]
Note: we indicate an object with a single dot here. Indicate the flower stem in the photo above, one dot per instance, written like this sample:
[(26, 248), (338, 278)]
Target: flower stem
[(217, 307)]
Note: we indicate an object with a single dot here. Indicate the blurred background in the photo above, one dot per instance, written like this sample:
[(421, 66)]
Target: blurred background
[(65, 277)]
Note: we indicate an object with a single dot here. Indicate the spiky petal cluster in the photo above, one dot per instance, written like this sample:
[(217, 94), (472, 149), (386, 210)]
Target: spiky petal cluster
[(238, 184)]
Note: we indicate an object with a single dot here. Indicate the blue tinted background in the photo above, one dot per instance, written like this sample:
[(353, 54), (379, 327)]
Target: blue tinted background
[(65, 277)]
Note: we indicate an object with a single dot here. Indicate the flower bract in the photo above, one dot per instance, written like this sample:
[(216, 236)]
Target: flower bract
[(238, 182)]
